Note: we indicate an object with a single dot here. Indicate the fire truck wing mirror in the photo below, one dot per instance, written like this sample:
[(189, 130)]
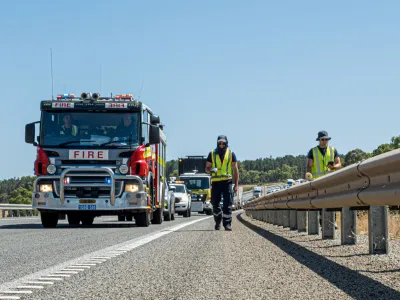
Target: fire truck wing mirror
[(30, 133), (154, 119), (154, 137)]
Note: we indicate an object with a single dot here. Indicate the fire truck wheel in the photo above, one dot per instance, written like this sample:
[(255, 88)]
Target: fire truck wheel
[(73, 219), (129, 218), (49, 220), (87, 220), (142, 219), (121, 218)]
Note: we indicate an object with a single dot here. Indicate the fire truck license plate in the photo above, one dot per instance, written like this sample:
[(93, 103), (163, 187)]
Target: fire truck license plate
[(87, 207)]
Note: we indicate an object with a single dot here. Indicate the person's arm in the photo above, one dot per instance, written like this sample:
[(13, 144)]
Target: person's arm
[(310, 161), (338, 163), (208, 164), (208, 167), (236, 174)]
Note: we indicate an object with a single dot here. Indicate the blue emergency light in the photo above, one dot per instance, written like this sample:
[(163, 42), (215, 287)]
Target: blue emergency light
[(108, 180), (65, 96)]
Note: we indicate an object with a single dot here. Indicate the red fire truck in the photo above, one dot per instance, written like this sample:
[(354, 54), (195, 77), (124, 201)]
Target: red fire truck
[(98, 156)]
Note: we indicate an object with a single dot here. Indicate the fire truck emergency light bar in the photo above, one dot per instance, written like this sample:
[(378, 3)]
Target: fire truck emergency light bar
[(95, 96)]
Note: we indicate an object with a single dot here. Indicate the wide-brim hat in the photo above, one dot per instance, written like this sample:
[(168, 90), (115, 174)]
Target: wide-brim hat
[(322, 135)]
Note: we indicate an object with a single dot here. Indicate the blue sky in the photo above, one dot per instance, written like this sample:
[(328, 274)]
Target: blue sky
[(268, 74)]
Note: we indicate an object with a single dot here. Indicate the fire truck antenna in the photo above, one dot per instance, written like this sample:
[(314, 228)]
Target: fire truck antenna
[(51, 71), (140, 93), (100, 79)]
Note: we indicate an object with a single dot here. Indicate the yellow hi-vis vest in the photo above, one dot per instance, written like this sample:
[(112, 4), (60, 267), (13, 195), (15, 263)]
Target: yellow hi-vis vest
[(224, 168), (319, 167), (74, 130)]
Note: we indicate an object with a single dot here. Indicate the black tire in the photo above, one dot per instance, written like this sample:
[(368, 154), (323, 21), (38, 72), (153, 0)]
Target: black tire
[(49, 220), (168, 216), (87, 220), (129, 218), (186, 214), (74, 220), (172, 217), (121, 218), (142, 219), (157, 216)]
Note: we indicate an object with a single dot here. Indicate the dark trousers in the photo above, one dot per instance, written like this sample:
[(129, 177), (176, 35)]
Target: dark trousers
[(224, 188)]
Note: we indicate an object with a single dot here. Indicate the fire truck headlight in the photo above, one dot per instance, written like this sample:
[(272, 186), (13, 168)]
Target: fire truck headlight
[(51, 169), (45, 188), (132, 188), (123, 169)]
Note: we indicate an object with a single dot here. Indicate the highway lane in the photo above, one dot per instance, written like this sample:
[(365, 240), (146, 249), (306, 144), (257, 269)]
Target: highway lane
[(252, 262), (28, 247)]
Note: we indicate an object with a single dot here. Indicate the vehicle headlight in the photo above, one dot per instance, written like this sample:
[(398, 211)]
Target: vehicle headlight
[(123, 169), (45, 188), (51, 169), (132, 188), (208, 202)]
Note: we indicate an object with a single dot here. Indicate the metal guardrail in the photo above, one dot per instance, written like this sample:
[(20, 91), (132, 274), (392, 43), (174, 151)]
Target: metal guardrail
[(372, 184), (10, 208)]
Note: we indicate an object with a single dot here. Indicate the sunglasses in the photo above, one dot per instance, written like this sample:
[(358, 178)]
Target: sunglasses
[(323, 140), (221, 143)]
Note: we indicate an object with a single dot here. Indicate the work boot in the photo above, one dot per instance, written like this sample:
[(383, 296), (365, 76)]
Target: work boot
[(228, 227), (217, 226)]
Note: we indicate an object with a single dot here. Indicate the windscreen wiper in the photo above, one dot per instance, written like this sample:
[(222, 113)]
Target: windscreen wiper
[(111, 142), (77, 141)]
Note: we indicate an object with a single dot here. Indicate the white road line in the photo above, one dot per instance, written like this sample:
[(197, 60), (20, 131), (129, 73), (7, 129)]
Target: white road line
[(84, 265), (55, 273), (39, 282), (30, 287), (78, 267), (15, 292), (73, 269), (9, 297)]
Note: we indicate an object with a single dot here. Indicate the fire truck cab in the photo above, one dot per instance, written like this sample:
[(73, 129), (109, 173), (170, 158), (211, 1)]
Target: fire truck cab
[(98, 156)]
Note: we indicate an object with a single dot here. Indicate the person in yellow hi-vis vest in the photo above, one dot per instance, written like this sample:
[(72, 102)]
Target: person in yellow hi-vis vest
[(222, 165), (322, 159), (67, 128)]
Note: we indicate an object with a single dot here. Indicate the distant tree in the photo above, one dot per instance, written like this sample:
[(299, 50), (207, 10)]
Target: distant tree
[(355, 156)]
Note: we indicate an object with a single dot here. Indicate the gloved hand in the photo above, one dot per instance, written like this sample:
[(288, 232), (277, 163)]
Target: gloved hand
[(214, 170)]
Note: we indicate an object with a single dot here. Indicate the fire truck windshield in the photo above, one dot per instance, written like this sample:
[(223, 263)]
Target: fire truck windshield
[(90, 129)]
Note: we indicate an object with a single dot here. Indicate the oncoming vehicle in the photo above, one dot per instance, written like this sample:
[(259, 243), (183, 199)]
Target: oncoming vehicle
[(191, 172), (98, 156), (169, 203), (182, 200)]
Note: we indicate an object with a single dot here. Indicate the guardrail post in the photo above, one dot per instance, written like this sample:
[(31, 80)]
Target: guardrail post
[(285, 218), (276, 217), (378, 231), (280, 218), (313, 222), (328, 225), (302, 221), (18, 213), (10, 213), (24, 213), (293, 219), (3, 213), (348, 230)]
